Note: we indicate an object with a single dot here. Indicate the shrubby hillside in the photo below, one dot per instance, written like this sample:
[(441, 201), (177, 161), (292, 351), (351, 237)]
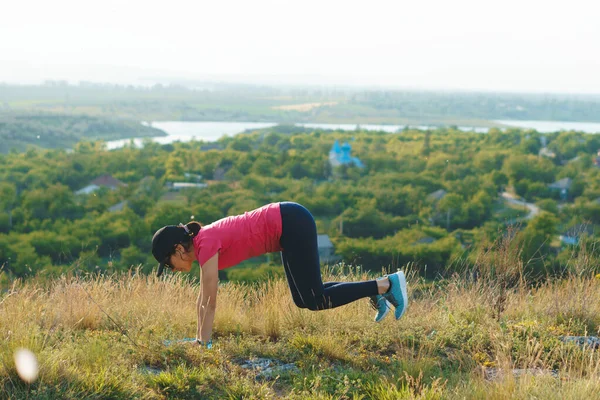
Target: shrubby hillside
[(432, 198), (20, 131)]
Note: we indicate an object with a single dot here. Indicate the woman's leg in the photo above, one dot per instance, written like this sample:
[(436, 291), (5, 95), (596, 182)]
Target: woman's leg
[(300, 257), (295, 294)]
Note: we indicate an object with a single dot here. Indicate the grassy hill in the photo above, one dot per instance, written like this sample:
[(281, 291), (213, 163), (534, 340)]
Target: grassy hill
[(19, 131), (102, 337)]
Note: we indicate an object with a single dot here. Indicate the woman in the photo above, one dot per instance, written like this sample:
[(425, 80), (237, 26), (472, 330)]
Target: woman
[(286, 227)]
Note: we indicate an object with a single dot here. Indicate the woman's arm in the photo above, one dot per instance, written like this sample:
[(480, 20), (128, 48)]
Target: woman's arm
[(207, 300)]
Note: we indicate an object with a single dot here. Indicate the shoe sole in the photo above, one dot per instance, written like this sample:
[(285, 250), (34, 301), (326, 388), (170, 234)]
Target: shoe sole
[(404, 291), (385, 313)]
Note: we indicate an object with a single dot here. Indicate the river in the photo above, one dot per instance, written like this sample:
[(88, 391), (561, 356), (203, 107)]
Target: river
[(212, 131)]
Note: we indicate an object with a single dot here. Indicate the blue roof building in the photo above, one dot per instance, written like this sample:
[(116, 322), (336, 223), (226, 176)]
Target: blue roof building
[(340, 155)]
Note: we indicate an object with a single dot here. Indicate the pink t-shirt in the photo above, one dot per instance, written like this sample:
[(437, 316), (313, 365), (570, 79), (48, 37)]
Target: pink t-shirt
[(240, 237)]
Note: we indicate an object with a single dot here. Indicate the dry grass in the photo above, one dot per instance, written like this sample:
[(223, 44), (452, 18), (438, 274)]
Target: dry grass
[(97, 337)]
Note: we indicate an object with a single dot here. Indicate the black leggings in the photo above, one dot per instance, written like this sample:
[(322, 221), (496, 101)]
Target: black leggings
[(300, 256)]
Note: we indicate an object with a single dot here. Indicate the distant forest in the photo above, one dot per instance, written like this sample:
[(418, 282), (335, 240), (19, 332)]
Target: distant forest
[(223, 102)]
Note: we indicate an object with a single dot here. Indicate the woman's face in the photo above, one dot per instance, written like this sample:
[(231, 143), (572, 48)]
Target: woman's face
[(181, 260)]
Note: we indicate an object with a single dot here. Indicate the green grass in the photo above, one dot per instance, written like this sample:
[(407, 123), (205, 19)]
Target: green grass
[(101, 337)]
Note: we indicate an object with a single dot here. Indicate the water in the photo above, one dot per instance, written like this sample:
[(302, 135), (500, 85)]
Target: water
[(554, 126), (186, 131), (212, 131), (384, 128)]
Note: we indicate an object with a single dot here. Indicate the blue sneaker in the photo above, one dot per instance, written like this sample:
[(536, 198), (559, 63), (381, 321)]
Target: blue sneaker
[(381, 305), (398, 294)]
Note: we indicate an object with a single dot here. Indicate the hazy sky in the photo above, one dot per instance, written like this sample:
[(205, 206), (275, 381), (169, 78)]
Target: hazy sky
[(508, 45)]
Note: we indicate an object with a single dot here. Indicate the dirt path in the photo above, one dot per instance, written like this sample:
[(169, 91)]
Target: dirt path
[(512, 199)]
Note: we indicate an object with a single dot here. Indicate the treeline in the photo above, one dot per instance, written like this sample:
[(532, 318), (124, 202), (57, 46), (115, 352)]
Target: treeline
[(199, 101), (426, 197), (485, 106), (55, 131)]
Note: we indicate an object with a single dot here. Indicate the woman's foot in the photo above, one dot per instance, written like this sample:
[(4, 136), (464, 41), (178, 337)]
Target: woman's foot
[(382, 306), (398, 293)]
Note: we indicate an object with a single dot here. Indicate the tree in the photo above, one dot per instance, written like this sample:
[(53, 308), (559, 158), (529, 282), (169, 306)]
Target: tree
[(140, 204), (25, 261), (531, 145), (499, 179), (263, 166), (450, 204), (550, 205), (132, 256), (489, 161), (535, 169), (536, 239), (8, 200), (57, 201), (426, 150), (522, 187), (478, 209), (175, 168)]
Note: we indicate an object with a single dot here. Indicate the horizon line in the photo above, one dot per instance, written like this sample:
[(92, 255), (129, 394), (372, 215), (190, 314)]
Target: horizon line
[(188, 82)]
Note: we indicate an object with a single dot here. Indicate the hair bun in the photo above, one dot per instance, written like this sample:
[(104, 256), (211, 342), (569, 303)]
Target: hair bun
[(193, 228)]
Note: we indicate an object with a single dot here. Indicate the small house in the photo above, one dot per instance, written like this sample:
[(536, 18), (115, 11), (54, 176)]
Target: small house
[(425, 240), (341, 155), (545, 152), (562, 186), (436, 196), (326, 249), (107, 181), (572, 235), (118, 207), (187, 185), (192, 177)]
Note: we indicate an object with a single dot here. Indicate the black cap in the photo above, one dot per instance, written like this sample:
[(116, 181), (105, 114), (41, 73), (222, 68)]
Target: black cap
[(163, 244)]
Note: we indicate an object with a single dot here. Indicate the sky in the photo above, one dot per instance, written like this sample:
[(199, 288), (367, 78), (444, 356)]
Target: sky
[(508, 45)]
